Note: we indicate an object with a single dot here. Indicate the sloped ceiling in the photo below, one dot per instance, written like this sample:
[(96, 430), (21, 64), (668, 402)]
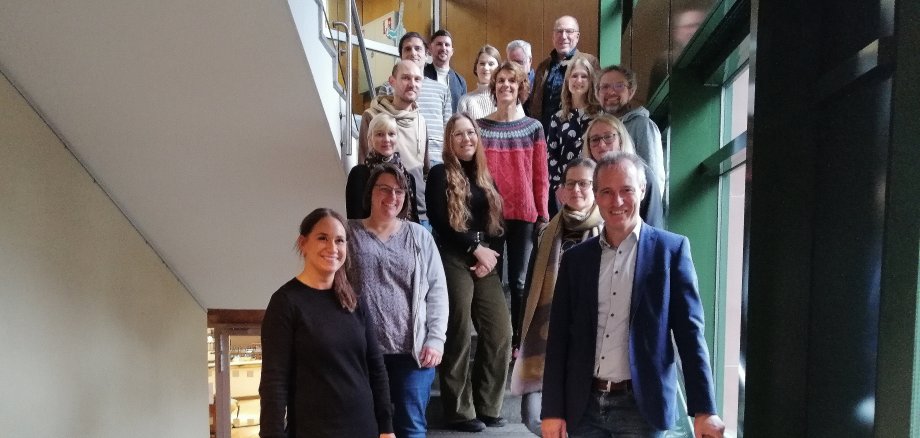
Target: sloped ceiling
[(200, 119)]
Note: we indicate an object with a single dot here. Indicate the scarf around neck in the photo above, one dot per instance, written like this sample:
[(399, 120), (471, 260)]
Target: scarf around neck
[(527, 375)]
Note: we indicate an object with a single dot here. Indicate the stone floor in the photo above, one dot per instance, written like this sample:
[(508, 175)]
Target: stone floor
[(511, 410)]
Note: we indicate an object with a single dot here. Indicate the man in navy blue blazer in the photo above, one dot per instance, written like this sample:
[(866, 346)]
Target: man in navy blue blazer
[(620, 299)]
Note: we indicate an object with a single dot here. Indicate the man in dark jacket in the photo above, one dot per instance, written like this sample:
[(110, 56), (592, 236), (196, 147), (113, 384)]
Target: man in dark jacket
[(442, 49), (546, 96), (626, 305)]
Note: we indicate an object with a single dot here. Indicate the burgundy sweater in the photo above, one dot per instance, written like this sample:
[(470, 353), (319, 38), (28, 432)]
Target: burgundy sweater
[(516, 153)]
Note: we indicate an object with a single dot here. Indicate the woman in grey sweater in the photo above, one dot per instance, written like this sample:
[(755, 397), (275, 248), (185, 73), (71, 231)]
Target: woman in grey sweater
[(397, 272)]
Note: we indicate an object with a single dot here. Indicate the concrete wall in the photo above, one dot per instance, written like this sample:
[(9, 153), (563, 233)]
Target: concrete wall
[(101, 340)]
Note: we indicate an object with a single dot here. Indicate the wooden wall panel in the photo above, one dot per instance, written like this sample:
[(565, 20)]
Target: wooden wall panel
[(474, 23), (467, 22), (585, 11), (516, 19), (497, 22)]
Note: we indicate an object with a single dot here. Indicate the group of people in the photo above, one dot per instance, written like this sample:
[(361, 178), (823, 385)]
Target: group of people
[(555, 174)]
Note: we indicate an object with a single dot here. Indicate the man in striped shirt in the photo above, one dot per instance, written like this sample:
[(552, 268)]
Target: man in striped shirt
[(434, 101)]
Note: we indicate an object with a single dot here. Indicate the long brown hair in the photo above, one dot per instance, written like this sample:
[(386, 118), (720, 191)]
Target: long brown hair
[(458, 187), (340, 285), (593, 106)]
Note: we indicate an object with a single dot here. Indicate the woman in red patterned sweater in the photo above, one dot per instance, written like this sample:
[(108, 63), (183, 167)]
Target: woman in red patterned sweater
[(515, 148)]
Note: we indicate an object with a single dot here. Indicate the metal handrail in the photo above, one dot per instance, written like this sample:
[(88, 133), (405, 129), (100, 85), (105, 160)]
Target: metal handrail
[(363, 48), (346, 135), (347, 118)]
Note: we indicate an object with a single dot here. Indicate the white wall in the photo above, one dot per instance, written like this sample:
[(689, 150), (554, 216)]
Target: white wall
[(101, 339), (201, 120)]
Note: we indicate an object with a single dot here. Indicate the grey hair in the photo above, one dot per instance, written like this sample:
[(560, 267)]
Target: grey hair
[(519, 44), (615, 159)]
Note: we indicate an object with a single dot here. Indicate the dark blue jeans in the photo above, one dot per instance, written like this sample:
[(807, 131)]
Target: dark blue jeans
[(613, 416), (410, 388)]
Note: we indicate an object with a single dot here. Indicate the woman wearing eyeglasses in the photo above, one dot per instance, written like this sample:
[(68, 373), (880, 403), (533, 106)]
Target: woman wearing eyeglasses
[(607, 133), (398, 273), (578, 220), (566, 127), (382, 135), (465, 210)]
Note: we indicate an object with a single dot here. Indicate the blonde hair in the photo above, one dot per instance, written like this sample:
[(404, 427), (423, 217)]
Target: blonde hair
[(593, 105), (382, 122), (626, 142), (458, 186)]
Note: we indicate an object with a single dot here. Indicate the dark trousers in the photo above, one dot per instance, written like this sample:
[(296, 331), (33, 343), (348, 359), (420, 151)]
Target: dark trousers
[(613, 415), (518, 246), (473, 389)]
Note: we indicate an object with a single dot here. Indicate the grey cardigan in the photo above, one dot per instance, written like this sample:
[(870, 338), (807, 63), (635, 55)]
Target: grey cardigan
[(429, 295)]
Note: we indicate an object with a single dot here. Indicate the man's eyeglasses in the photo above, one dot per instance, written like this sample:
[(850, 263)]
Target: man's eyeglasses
[(583, 184), (384, 189), (565, 31), (608, 138), (618, 87)]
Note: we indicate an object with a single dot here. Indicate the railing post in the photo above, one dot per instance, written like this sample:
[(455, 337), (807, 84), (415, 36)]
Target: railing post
[(349, 93), (346, 117)]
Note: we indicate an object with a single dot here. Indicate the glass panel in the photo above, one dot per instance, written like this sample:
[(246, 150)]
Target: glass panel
[(732, 236), (245, 374), (733, 275), (656, 36), (649, 42), (736, 111), (686, 18)]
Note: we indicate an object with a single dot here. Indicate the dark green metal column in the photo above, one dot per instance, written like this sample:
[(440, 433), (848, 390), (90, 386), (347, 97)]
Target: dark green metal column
[(898, 402), (693, 212), (610, 25)]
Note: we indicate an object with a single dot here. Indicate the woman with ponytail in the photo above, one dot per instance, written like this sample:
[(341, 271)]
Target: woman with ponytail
[(321, 365)]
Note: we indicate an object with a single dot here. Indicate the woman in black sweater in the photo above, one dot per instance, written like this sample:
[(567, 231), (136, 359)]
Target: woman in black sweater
[(321, 366), (465, 211)]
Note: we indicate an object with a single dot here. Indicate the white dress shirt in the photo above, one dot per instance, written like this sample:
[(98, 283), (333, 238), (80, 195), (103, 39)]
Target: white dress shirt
[(614, 291)]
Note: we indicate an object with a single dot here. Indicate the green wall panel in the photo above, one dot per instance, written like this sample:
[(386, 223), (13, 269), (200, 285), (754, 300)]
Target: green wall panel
[(610, 25), (694, 198)]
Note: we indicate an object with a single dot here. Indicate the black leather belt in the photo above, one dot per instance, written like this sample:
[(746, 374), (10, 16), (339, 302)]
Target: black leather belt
[(612, 387)]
